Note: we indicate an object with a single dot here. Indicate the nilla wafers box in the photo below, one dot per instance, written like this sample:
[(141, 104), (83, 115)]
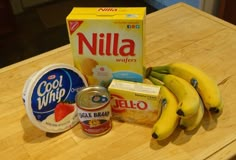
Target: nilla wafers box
[(108, 43)]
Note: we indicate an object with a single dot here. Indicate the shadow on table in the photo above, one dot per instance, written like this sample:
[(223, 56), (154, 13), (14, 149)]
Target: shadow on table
[(31, 133), (209, 122)]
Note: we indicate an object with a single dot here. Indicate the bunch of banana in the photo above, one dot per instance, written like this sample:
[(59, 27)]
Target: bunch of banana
[(205, 85), (193, 122), (168, 115), (193, 90), (187, 96)]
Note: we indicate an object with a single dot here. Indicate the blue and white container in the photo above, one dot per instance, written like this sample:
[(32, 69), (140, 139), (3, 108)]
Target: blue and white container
[(49, 97)]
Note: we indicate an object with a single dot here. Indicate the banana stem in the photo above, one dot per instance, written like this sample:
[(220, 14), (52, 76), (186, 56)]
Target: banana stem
[(147, 72), (154, 80), (161, 69), (158, 75)]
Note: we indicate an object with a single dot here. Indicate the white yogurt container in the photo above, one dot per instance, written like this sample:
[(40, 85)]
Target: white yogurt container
[(49, 97)]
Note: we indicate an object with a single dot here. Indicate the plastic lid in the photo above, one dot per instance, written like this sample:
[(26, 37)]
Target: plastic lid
[(49, 97)]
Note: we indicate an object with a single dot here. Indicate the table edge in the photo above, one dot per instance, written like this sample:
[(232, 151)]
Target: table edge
[(35, 58)]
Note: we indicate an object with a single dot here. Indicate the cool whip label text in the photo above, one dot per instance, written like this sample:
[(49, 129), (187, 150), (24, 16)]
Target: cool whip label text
[(49, 92)]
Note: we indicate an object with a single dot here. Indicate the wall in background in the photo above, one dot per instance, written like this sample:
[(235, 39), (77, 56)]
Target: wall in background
[(209, 6)]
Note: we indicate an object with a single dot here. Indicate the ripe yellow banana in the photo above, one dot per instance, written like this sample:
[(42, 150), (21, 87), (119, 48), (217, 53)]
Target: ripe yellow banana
[(168, 119), (187, 96), (205, 85), (193, 122)]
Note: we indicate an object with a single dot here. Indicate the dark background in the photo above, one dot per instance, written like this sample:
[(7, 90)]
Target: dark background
[(41, 28)]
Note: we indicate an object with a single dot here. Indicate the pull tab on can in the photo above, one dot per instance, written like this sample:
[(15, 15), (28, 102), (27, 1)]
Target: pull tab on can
[(99, 99)]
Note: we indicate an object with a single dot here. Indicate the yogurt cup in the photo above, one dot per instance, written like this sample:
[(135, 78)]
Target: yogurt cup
[(49, 97)]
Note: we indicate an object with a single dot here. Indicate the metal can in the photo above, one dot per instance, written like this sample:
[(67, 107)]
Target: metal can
[(94, 110)]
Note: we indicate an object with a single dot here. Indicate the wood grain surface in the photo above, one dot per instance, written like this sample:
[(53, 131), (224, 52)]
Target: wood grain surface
[(176, 33)]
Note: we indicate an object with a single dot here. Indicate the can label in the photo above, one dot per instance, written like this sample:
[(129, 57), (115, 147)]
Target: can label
[(94, 110)]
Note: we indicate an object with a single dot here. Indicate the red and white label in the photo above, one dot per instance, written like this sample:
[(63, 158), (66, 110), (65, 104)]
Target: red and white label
[(73, 25)]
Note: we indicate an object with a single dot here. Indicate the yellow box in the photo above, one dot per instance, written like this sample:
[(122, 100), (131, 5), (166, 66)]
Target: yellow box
[(135, 102), (108, 43)]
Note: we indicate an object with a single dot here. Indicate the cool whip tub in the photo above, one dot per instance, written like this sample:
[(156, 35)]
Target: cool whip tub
[(108, 43), (49, 97)]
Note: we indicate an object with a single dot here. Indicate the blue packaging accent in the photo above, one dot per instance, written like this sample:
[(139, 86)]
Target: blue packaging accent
[(159, 4), (128, 76)]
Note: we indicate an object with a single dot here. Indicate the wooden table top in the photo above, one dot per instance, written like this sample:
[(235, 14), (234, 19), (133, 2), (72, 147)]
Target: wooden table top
[(176, 33)]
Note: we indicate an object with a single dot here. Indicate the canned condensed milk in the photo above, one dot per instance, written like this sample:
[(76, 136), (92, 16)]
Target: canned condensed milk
[(94, 110)]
